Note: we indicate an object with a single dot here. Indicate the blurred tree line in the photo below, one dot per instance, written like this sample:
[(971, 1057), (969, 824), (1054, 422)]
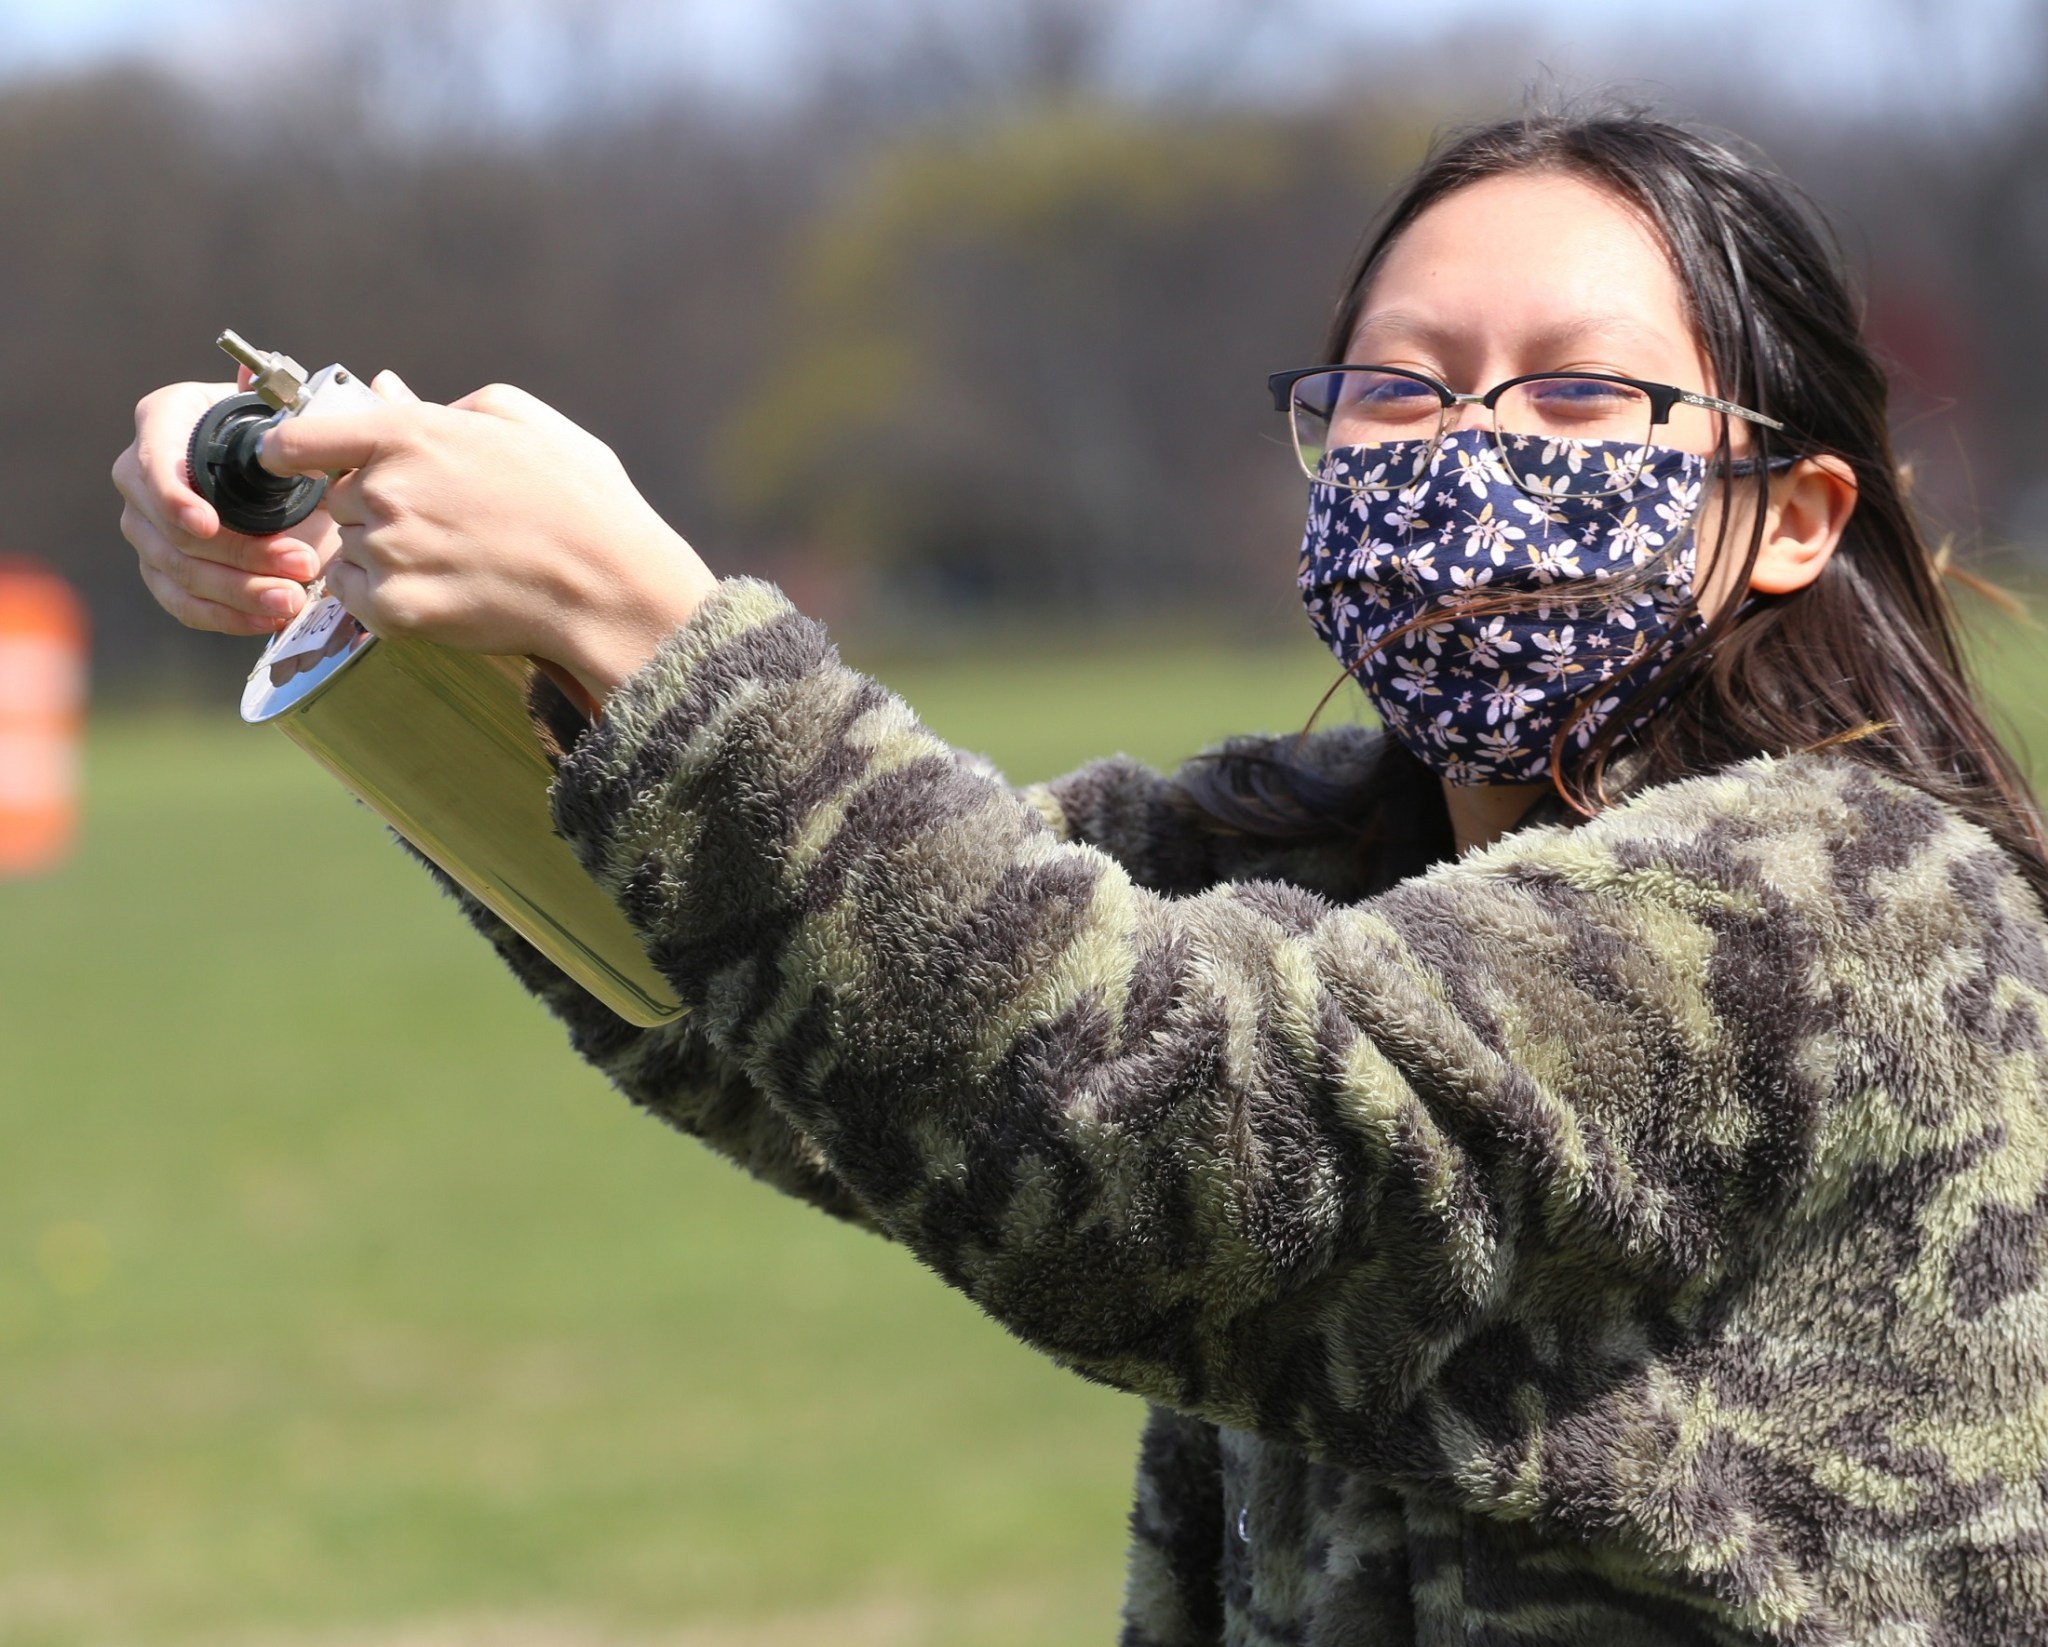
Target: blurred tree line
[(980, 341)]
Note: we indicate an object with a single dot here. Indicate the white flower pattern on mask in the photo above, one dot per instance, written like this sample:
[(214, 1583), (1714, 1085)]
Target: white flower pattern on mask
[(1490, 534), (1480, 696), (1556, 656), (1417, 678), (1483, 648)]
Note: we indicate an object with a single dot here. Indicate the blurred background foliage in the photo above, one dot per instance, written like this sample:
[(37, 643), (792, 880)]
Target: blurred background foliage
[(947, 316), (1012, 373), (338, 1303)]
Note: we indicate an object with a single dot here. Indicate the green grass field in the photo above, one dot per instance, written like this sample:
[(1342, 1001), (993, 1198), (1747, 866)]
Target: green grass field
[(340, 1305)]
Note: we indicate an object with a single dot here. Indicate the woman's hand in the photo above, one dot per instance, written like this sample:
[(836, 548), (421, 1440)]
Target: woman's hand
[(203, 576), (496, 525)]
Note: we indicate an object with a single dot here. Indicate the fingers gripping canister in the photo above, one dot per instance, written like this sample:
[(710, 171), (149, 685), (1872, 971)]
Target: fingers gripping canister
[(225, 470)]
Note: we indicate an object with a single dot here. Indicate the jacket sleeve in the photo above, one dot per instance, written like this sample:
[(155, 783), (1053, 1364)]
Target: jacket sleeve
[(1296, 1168), (675, 1074)]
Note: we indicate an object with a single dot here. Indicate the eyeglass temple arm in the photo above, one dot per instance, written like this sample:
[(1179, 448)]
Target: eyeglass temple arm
[(1693, 398)]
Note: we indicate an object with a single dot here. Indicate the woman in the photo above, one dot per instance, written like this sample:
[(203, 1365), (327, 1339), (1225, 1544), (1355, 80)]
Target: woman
[(1571, 1170)]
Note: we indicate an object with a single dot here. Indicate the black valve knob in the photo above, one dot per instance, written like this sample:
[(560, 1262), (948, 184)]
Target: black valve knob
[(223, 465)]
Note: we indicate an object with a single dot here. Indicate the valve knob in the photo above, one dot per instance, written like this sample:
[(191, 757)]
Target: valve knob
[(222, 463)]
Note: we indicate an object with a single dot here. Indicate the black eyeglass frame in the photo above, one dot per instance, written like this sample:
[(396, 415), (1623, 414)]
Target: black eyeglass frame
[(1663, 397)]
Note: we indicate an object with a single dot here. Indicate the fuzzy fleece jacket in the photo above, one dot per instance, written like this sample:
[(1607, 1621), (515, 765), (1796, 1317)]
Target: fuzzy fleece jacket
[(1628, 1233)]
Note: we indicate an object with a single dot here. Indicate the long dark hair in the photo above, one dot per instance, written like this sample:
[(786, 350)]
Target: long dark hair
[(1865, 657)]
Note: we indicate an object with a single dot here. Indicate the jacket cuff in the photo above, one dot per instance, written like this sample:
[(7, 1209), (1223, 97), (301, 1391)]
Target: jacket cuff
[(679, 799), (737, 609)]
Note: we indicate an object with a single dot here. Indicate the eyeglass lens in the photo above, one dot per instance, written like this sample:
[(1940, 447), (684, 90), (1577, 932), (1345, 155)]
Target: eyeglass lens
[(1406, 417)]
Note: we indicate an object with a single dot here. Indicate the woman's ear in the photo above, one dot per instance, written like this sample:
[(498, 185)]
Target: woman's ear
[(1809, 509)]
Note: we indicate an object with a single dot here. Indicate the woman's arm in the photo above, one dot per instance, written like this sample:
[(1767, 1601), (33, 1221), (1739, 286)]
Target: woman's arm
[(1142, 817), (1151, 824), (1255, 1157)]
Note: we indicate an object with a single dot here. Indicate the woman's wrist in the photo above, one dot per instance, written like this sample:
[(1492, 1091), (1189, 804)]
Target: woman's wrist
[(654, 585)]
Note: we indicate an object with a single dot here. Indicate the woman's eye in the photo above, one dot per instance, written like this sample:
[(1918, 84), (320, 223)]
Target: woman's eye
[(1580, 396), (1384, 394)]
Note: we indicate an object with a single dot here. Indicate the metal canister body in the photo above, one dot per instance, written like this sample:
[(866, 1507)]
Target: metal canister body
[(441, 745)]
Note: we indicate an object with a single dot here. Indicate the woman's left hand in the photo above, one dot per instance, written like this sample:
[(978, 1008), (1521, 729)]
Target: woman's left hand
[(496, 525)]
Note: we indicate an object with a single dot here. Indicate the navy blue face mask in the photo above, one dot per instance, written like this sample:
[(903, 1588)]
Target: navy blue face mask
[(1608, 587)]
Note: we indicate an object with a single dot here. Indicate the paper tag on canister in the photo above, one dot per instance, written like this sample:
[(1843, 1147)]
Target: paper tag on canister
[(42, 711)]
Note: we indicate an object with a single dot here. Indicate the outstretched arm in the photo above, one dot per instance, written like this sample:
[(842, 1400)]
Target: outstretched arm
[(1141, 817), (1245, 1152), (1250, 1155)]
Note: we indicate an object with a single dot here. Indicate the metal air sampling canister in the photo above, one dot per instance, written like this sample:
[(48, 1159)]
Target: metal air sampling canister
[(442, 745)]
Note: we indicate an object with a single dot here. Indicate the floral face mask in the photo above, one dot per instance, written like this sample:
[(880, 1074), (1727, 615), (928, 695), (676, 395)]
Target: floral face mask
[(1480, 697)]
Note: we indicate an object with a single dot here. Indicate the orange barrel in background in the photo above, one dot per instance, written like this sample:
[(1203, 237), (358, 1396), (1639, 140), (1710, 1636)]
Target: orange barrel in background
[(42, 711)]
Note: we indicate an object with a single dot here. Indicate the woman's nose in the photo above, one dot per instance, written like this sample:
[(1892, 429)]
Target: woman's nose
[(1467, 414)]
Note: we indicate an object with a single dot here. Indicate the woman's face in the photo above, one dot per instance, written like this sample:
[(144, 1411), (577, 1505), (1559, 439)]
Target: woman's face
[(1544, 272)]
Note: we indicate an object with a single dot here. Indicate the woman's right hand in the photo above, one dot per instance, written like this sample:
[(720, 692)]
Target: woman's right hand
[(204, 576)]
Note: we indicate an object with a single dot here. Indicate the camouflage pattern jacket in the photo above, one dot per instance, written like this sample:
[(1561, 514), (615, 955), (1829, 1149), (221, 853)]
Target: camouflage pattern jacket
[(1628, 1233)]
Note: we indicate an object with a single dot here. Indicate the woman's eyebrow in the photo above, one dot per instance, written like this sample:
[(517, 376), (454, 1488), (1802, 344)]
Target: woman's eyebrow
[(1562, 333)]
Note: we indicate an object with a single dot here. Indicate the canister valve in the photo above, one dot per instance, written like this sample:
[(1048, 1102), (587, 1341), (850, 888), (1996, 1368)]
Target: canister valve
[(222, 457)]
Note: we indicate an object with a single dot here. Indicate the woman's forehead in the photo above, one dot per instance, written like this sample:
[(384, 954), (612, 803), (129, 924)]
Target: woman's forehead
[(1545, 260), (1561, 329)]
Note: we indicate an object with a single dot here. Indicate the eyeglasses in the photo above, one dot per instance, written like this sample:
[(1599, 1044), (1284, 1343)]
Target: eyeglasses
[(1403, 414)]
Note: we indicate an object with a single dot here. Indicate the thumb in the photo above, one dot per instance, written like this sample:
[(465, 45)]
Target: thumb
[(390, 386)]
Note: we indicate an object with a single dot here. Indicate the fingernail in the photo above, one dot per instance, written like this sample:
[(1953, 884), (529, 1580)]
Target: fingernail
[(297, 563), (280, 603), (197, 521)]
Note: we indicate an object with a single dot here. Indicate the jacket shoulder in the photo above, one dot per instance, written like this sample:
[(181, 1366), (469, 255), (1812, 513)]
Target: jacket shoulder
[(1818, 822)]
